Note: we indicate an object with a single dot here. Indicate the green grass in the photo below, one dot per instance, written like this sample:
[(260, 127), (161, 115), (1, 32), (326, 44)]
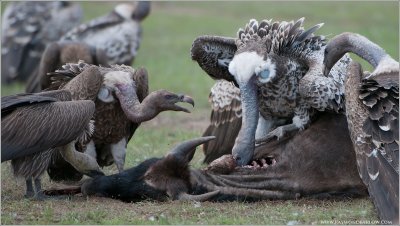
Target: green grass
[(165, 51)]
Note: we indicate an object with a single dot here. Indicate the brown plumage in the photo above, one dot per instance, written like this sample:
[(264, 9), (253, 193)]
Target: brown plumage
[(372, 110), (225, 120), (29, 118), (122, 102), (59, 53)]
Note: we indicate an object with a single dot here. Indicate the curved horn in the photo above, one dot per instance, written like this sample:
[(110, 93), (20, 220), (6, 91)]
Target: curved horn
[(200, 198), (185, 150), (142, 10)]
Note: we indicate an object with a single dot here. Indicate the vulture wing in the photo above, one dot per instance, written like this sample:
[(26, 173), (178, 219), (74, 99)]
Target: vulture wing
[(82, 80), (98, 23), (381, 157), (214, 54), (225, 121), (36, 126)]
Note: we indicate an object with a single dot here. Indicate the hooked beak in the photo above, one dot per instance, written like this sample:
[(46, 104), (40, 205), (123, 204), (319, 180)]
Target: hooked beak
[(185, 99)]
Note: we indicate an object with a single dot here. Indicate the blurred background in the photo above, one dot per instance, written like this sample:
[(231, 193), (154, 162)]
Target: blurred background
[(168, 33)]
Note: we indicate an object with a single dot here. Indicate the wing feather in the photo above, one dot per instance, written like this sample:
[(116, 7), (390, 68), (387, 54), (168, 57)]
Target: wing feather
[(40, 126), (214, 54), (225, 121)]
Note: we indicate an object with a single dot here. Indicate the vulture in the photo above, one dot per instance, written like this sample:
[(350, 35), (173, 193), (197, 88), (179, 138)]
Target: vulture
[(122, 102), (117, 33), (37, 126), (372, 110), (277, 67), (27, 28), (59, 53), (225, 120)]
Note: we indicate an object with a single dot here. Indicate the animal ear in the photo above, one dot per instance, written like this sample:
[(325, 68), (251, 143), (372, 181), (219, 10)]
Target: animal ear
[(185, 150), (214, 54), (48, 63), (142, 9), (142, 83)]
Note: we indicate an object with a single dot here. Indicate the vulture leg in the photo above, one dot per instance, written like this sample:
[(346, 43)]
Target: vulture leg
[(264, 126), (29, 189), (118, 152), (279, 132), (84, 163)]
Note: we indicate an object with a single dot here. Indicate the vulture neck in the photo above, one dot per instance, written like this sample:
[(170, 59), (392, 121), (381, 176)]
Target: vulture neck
[(366, 49), (134, 110)]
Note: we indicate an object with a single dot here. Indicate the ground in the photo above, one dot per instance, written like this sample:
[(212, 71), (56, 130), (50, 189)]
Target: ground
[(168, 33)]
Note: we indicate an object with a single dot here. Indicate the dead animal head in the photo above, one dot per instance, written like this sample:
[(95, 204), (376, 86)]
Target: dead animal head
[(156, 178)]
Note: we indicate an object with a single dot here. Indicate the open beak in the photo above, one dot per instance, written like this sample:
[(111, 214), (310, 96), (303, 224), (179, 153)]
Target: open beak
[(185, 99)]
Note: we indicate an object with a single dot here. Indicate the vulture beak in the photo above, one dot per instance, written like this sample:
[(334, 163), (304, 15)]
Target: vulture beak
[(185, 99), (325, 70)]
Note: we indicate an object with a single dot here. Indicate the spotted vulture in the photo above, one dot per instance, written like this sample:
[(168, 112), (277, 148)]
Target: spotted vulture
[(277, 67), (27, 28)]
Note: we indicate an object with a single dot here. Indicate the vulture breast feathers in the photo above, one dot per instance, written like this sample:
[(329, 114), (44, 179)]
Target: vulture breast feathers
[(372, 110), (124, 25), (27, 27), (277, 67)]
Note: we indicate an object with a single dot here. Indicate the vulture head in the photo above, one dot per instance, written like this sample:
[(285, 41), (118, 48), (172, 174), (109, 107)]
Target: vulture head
[(135, 11), (155, 178), (120, 85)]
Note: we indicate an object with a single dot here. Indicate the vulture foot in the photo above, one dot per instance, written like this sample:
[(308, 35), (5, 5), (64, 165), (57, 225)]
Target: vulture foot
[(279, 132)]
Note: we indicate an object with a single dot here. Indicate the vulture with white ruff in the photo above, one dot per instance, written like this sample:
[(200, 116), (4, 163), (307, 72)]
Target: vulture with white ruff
[(37, 126), (117, 33), (122, 101), (372, 110), (278, 69), (27, 28)]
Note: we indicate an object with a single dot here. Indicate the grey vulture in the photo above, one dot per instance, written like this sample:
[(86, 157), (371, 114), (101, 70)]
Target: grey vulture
[(27, 28), (59, 53), (122, 101), (118, 33), (277, 67), (372, 110), (36, 126)]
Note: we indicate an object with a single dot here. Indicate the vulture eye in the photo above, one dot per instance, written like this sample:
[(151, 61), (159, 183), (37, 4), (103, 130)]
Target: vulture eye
[(265, 72), (264, 75), (169, 97), (105, 95)]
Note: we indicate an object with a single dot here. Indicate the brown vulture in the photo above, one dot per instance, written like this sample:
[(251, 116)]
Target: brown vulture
[(36, 126), (277, 67), (27, 28), (372, 110), (122, 101)]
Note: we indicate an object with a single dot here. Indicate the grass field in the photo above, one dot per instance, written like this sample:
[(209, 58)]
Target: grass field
[(167, 37)]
